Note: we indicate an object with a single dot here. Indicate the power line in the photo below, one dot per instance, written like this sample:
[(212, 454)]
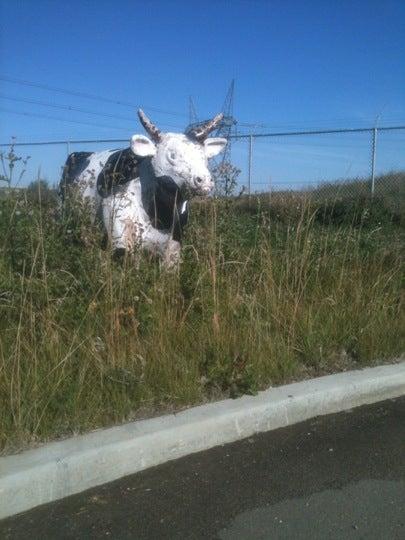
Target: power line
[(76, 109), (86, 95), (254, 125), (48, 117)]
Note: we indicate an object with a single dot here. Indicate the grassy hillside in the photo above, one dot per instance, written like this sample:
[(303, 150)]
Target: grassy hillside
[(343, 201), (266, 293)]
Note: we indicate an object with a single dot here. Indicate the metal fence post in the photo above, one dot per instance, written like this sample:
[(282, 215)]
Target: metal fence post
[(269, 188), (250, 164), (373, 157), (68, 147)]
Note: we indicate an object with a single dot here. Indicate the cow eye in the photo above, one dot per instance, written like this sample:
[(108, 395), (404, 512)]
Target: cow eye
[(172, 156)]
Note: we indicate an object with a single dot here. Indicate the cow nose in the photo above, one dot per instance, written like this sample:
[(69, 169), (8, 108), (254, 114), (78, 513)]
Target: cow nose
[(203, 184)]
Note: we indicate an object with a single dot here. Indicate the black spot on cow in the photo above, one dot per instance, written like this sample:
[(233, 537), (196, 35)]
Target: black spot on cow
[(120, 168), (168, 209), (75, 165)]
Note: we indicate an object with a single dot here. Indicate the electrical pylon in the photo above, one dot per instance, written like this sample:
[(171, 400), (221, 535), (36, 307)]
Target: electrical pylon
[(226, 128)]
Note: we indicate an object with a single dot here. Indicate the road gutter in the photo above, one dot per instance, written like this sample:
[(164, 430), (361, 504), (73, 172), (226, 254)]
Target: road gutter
[(66, 467)]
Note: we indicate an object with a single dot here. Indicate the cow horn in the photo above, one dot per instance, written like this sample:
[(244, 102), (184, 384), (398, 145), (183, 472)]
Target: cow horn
[(200, 133), (153, 131)]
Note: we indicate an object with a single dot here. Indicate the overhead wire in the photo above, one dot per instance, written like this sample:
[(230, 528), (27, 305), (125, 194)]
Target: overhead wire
[(86, 95), (49, 117), (75, 109), (252, 125)]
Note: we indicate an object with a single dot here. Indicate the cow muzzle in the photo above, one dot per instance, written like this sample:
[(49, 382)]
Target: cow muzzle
[(203, 186)]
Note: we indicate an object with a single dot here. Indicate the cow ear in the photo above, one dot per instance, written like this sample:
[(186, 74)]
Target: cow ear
[(214, 146), (142, 146)]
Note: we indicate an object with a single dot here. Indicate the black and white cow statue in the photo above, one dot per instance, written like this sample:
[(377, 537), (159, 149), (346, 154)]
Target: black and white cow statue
[(141, 193)]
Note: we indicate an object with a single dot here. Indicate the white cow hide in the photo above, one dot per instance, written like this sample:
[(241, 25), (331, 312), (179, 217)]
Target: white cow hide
[(137, 189)]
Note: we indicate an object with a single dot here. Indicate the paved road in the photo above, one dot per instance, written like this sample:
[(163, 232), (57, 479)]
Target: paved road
[(335, 477)]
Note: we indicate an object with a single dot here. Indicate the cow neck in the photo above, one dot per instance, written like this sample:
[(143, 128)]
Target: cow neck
[(167, 209), (166, 186)]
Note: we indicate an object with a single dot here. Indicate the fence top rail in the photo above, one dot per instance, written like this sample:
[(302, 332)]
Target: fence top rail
[(73, 141), (316, 132), (242, 136)]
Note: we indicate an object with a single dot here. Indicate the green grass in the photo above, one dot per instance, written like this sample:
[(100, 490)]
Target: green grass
[(266, 293)]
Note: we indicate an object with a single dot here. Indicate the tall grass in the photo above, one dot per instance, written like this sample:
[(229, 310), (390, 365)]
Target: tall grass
[(262, 296)]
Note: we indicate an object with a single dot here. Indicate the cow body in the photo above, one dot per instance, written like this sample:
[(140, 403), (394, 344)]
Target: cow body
[(141, 192)]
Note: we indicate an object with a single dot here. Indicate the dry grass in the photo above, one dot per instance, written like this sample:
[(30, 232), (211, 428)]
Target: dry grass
[(86, 341)]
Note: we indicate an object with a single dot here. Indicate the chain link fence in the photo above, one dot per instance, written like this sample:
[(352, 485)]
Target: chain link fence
[(343, 169), (330, 163), (365, 161)]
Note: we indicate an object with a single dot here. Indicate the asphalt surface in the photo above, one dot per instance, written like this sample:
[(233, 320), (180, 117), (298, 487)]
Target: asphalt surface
[(340, 476)]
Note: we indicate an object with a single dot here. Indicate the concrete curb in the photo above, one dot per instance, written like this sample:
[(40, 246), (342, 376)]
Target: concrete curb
[(63, 468)]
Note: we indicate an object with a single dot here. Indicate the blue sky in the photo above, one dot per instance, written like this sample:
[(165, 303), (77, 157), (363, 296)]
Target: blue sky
[(312, 64)]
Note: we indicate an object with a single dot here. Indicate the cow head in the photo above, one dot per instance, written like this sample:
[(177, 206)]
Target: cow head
[(184, 158)]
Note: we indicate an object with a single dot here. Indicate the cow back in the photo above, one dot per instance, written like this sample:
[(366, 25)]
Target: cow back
[(120, 168), (75, 164)]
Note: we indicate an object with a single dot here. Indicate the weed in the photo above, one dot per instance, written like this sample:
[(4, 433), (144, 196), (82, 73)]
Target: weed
[(266, 293)]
